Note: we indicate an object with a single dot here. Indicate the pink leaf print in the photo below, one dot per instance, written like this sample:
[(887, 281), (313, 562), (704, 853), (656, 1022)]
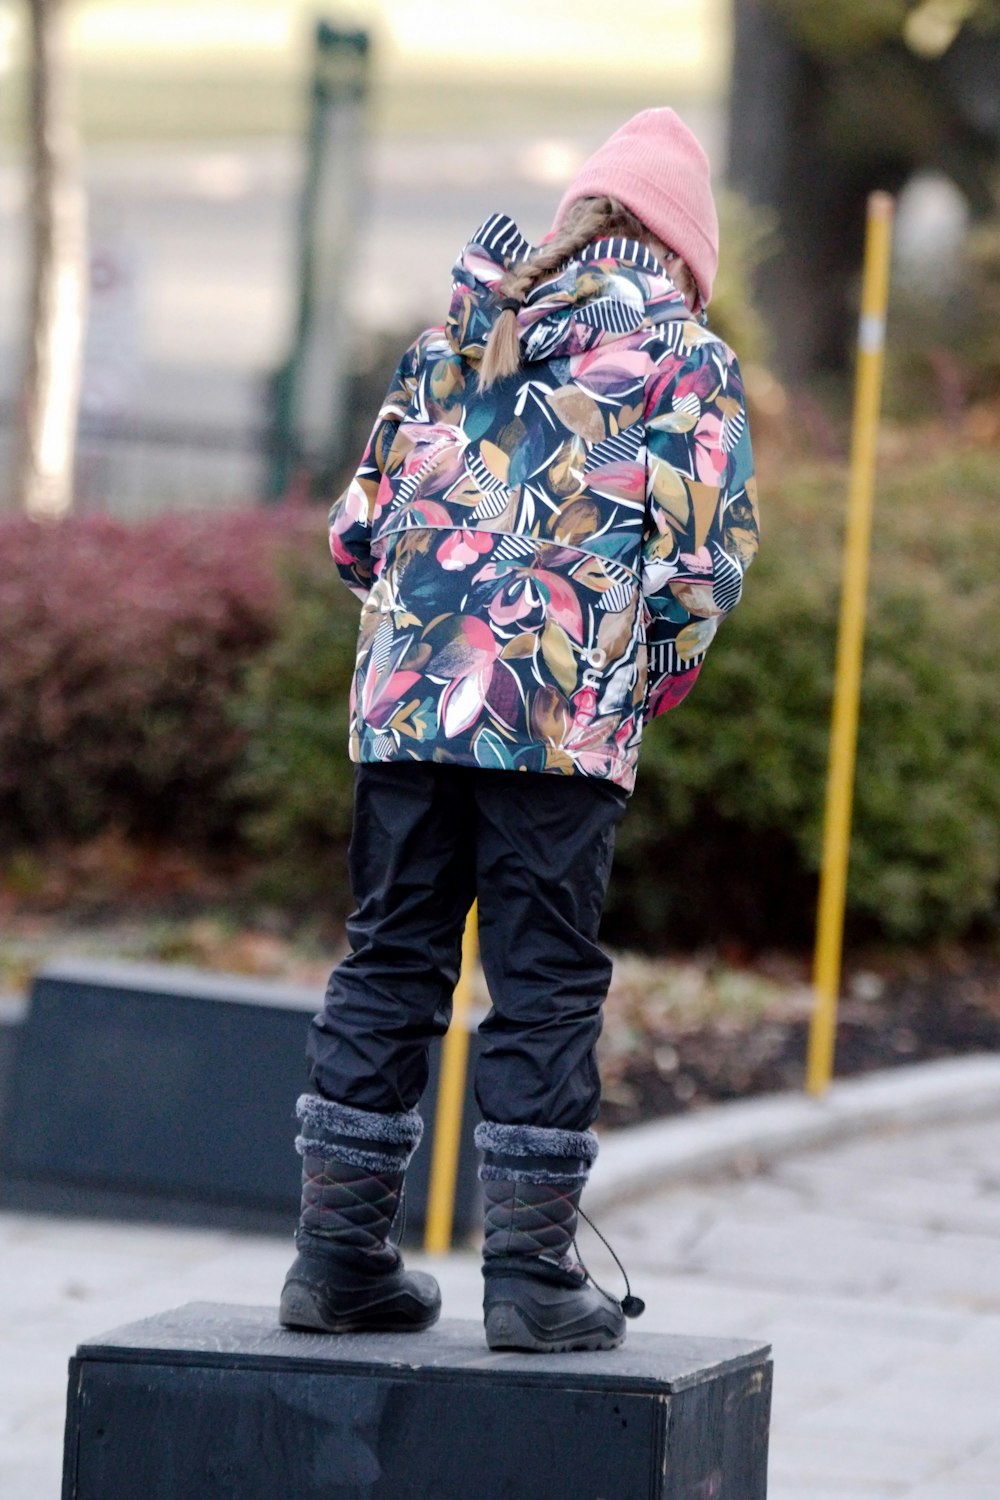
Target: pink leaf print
[(657, 389), (462, 548), (479, 635), (503, 696), (461, 645), (608, 372), (619, 481), (584, 707), (430, 512), (338, 550), (383, 692), (670, 691), (564, 606), (702, 382), (517, 598), (429, 440), (710, 459), (698, 562)]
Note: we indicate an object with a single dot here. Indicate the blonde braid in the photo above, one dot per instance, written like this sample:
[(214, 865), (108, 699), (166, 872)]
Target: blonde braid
[(589, 219)]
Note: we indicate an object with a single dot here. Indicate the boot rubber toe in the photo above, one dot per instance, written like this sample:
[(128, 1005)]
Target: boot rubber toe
[(522, 1312), (323, 1296)]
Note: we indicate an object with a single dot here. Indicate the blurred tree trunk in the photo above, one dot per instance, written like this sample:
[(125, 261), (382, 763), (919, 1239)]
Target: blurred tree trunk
[(50, 389), (780, 158), (812, 131)]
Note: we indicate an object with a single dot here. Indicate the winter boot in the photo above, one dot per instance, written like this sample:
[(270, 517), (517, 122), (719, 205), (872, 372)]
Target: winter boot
[(537, 1295), (347, 1277)]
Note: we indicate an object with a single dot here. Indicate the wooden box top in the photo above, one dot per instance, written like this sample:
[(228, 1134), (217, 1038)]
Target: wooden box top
[(208, 1333)]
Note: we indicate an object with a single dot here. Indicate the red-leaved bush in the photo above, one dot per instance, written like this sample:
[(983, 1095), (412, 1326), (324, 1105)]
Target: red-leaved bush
[(120, 648)]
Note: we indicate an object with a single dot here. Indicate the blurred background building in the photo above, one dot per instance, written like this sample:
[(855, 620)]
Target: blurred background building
[(194, 120)]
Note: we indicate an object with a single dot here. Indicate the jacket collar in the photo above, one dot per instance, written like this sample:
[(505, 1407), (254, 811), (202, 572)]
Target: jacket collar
[(610, 289)]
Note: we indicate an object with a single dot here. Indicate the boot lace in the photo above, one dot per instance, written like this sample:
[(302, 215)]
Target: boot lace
[(631, 1306)]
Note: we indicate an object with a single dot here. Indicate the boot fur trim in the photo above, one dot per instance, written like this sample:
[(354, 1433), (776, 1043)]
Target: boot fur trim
[(322, 1118), (527, 1173), (536, 1140), (381, 1162)]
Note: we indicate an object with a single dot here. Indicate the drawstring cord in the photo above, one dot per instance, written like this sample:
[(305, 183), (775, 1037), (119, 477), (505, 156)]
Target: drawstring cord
[(632, 1307)]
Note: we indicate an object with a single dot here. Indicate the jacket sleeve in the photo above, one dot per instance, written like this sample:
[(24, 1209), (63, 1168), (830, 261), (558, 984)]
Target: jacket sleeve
[(701, 529), (350, 520)]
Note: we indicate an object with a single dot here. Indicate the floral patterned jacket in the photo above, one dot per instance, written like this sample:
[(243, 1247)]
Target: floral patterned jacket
[(545, 563)]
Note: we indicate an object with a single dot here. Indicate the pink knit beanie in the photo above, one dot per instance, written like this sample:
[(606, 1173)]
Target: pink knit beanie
[(656, 167)]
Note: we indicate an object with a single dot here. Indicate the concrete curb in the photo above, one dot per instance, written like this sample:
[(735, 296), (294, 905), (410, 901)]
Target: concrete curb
[(746, 1136)]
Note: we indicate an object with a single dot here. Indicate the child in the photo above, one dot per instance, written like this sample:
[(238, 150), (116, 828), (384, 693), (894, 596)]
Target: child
[(554, 512)]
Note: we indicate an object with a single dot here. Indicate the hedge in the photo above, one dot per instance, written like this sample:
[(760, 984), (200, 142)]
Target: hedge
[(122, 649), (187, 678)]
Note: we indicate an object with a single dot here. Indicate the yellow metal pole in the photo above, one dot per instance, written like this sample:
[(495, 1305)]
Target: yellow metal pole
[(450, 1102), (850, 642)]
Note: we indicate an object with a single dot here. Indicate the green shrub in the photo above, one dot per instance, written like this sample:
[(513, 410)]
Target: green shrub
[(732, 786), (722, 839), (295, 773), (976, 326)]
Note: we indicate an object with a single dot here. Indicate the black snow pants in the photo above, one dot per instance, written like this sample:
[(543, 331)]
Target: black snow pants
[(536, 849)]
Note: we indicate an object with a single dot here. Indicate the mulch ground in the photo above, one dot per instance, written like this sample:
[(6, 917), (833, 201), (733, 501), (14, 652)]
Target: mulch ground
[(941, 1010)]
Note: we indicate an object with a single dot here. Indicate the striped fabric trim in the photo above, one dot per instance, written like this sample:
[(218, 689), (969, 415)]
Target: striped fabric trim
[(732, 430), (673, 336), (664, 661), (611, 315), (619, 247), (485, 479), (621, 448), (616, 570), (502, 238), (617, 598), (381, 650), (727, 583), (510, 547), (492, 505), (406, 489)]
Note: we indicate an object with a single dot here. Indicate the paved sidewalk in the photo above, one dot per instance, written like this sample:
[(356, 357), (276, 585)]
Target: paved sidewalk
[(872, 1265)]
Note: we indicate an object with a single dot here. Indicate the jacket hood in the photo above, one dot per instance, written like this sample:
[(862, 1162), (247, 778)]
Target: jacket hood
[(611, 288)]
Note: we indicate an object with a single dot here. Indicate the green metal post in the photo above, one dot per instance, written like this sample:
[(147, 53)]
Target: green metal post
[(308, 392)]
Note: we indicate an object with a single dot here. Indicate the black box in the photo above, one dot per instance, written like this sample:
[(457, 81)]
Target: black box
[(210, 1401), (156, 1092)]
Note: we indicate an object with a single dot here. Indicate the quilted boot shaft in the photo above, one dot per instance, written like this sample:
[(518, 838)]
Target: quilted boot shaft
[(348, 1277), (537, 1296), (347, 1205), (353, 1165), (532, 1180), (531, 1218)]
